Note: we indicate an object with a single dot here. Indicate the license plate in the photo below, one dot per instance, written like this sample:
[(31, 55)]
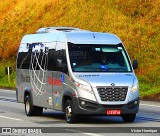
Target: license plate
[(113, 112)]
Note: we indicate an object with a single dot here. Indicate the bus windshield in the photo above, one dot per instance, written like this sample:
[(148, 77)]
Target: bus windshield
[(98, 58)]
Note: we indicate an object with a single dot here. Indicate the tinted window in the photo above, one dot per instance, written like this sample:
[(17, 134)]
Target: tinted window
[(39, 56), (56, 53), (32, 56), (42, 56), (24, 57)]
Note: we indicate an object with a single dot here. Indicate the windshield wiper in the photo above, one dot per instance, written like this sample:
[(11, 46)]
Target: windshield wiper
[(119, 68), (93, 68)]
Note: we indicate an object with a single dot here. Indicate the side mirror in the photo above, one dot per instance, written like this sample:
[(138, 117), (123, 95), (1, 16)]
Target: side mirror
[(135, 64), (59, 63)]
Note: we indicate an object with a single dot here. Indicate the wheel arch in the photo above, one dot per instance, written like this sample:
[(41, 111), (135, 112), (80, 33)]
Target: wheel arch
[(27, 92), (66, 96)]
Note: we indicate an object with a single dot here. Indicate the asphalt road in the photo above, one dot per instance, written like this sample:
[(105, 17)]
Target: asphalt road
[(12, 115)]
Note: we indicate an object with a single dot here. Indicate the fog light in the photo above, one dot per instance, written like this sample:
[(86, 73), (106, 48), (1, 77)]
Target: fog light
[(83, 103), (136, 102)]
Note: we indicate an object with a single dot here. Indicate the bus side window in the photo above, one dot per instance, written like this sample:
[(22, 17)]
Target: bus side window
[(57, 53), (24, 57)]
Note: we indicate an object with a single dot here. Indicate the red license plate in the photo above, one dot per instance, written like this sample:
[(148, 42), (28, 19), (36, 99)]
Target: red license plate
[(113, 112)]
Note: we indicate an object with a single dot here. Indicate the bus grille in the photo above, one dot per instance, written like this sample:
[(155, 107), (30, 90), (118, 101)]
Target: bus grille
[(112, 93)]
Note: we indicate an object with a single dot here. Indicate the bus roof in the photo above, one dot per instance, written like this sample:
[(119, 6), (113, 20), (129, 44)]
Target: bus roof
[(70, 34)]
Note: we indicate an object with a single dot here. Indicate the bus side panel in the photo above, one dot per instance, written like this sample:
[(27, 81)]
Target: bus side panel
[(35, 82), (44, 91), (58, 86), (23, 83), (62, 85)]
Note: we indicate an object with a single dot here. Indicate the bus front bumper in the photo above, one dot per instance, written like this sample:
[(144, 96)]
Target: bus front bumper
[(83, 106)]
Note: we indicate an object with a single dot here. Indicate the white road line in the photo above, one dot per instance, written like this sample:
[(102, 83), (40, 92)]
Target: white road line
[(4, 90), (150, 105), (77, 131), (91, 134), (10, 118)]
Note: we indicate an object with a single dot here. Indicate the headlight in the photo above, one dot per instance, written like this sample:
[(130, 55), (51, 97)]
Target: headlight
[(134, 88), (84, 87)]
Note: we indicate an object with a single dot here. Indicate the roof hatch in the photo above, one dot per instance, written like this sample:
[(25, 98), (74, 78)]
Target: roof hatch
[(53, 29)]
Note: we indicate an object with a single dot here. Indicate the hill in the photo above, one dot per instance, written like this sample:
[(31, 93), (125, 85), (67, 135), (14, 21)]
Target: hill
[(137, 23)]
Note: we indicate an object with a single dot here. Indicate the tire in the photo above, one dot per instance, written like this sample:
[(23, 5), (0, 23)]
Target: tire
[(69, 114), (128, 117), (30, 110)]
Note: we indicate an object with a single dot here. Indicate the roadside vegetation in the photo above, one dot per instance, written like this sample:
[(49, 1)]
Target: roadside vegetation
[(137, 23)]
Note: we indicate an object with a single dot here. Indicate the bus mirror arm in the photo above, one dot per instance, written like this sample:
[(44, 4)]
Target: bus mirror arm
[(135, 64)]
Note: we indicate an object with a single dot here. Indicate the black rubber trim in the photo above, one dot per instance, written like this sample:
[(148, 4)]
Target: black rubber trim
[(99, 109)]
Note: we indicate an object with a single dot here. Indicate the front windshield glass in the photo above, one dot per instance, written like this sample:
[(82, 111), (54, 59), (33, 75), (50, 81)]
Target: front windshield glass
[(98, 58)]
